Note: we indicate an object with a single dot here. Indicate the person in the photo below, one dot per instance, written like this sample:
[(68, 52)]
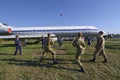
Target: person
[(43, 42), (89, 42), (59, 41), (48, 48), (79, 44), (100, 48), (18, 45), (25, 42)]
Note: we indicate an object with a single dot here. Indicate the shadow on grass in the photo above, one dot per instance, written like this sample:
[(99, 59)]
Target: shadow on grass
[(62, 49), (112, 47), (7, 45), (66, 54), (13, 45), (61, 61), (35, 63), (5, 54), (20, 62)]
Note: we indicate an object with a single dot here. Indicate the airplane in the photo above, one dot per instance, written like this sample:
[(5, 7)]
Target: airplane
[(9, 32)]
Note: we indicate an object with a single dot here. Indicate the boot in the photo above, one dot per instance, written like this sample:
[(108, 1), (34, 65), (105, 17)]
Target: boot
[(40, 60), (55, 62), (105, 61), (82, 70)]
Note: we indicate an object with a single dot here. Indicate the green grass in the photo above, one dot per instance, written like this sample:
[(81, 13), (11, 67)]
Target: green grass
[(26, 67)]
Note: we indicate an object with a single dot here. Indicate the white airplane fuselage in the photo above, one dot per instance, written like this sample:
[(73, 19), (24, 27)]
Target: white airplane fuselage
[(63, 31)]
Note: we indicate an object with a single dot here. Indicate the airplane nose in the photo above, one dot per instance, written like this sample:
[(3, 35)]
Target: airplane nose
[(9, 30)]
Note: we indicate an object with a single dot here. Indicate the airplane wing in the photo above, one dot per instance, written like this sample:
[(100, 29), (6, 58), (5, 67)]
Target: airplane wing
[(9, 37), (20, 36)]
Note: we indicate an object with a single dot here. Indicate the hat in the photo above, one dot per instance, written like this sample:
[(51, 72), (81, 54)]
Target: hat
[(100, 32)]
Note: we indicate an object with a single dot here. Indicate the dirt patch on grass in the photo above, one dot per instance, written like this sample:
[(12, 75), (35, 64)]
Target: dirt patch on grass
[(57, 52), (60, 51)]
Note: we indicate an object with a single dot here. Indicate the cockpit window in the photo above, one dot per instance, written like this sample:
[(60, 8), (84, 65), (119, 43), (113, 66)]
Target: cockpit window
[(4, 24)]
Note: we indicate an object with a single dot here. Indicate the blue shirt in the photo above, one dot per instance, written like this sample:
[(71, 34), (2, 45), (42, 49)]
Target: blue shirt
[(17, 42)]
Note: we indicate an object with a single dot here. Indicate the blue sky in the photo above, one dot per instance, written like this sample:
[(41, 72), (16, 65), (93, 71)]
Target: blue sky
[(104, 14)]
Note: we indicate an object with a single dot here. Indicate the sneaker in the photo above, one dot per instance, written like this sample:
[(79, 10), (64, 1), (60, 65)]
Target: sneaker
[(55, 62)]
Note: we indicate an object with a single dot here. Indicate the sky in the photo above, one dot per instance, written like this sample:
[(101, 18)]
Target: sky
[(104, 14)]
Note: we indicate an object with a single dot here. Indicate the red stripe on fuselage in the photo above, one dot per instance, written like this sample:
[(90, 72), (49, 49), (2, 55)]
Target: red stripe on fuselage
[(9, 30)]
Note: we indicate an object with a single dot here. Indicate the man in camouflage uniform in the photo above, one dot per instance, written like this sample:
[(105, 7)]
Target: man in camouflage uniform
[(48, 48), (78, 43), (100, 47)]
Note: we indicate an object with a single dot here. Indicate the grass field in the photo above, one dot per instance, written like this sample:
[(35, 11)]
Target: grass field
[(26, 67)]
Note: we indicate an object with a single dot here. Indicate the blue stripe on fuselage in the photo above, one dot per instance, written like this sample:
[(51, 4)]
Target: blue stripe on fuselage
[(59, 30)]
